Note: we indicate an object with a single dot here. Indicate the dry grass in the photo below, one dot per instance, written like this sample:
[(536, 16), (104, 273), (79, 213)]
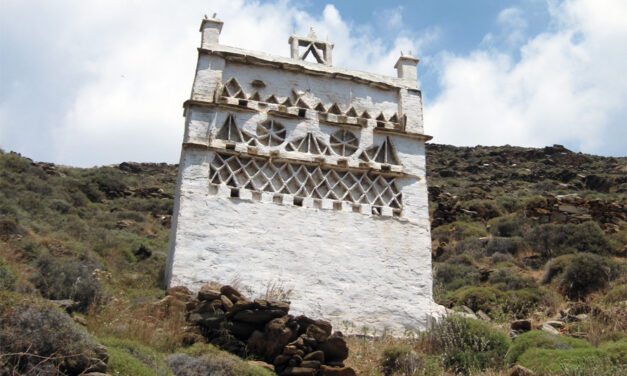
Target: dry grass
[(159, 327)]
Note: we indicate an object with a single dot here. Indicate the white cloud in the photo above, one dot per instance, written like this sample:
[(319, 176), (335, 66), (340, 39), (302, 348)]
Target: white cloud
[(565, 88), (117, 72)]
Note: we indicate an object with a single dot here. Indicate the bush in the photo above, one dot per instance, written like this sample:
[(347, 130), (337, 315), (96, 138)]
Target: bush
[(608, 359), (485, 209), (556, 267), (458, 231), (509, 225), (64, 278), (7, 276), (221, 363), (616, 294), (537, 339), (586, 273), (498, 257), (131, 358), (454, 276), (44, 340), (554, 240), (506, 245), (477, 298), (509, 204), (509, 280), (467, 345), (403, 360), (522, 302)]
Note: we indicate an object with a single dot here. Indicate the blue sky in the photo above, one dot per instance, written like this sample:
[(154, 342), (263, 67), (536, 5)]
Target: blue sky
[(100, 82)]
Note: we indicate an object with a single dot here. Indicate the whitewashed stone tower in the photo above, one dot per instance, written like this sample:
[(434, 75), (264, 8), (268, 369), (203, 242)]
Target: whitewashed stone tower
[(309, 175)]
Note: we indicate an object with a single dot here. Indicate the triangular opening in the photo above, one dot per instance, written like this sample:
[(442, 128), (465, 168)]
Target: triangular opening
[(255, 97), (229, 131), (314, 51), (287, 102), (365, 115), (272, 99), (393, 119), (381, 117), (351, 112), (301, 103), (335, 109), (320, 107)]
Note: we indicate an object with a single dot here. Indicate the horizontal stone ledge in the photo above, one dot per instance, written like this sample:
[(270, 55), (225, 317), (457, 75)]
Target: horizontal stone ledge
[(314, 161), (278, 110)]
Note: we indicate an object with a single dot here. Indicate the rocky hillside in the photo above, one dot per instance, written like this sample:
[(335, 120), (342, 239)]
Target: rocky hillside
[(523, 239)]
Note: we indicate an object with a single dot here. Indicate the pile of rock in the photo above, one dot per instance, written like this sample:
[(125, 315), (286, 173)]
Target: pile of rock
[(574, 209), (263, 329)]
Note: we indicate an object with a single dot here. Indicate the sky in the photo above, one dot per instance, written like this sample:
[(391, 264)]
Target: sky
[(99, 82)]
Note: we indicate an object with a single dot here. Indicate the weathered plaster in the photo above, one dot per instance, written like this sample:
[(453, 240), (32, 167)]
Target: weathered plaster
[(346, 260)]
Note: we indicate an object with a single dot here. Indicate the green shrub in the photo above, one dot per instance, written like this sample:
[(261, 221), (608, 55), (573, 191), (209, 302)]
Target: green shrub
[(67, 278), (556, 267), (509, 225), (608, 359), (221, 363), (130, 358), (506, 245), (42, 339), (509, 204), (402, 360), (467, 345), (454, 276), (510, 280), (537, 339), (553, 240), (498, 257), (477, 298), (616, 294), (586, 273), (522, 302), (7, 276), (458, 231)]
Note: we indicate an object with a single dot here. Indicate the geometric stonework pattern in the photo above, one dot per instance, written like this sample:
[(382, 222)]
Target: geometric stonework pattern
[(230, 132), (383, 153), (308, 144), (305, 181), (344, 142), (271, 133)]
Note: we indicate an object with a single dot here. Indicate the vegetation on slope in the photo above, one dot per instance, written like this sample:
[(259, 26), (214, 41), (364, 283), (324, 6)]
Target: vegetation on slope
[(517, 233)]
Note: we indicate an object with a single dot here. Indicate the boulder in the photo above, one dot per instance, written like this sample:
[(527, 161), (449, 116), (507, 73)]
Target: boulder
[(310, 364), (209, 291), (335, 349), (483, 316), (281, 359), (549, 329), (318, 333), (231, 293), (556, 324), (315, 355), (299, 371), (257, 316), (180, 292), (518, 370), (226, 303), (337, 371)]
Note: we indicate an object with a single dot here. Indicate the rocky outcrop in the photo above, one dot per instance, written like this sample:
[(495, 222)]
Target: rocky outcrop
[(264, 329)]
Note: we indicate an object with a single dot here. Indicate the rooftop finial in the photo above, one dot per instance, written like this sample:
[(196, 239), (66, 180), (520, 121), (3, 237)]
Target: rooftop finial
[(215, 14), (312, 33)]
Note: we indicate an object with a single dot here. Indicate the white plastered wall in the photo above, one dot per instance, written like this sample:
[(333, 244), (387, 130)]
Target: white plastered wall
[(343, 266)]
